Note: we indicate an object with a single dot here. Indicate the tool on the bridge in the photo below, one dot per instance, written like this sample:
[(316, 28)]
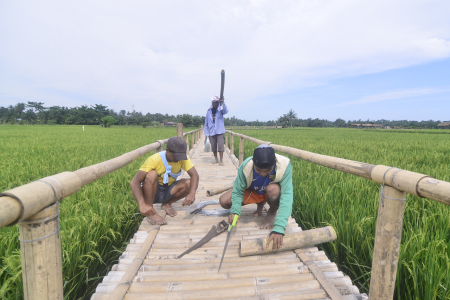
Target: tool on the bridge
[(215, 212), (215, 231), (230, 227)]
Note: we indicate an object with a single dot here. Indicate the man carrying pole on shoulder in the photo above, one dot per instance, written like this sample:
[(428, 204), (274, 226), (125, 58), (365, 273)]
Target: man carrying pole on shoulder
[(265, 177), (215, 127), (155, 182)]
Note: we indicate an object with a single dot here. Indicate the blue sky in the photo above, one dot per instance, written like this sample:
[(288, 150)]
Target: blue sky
[(325, 59)]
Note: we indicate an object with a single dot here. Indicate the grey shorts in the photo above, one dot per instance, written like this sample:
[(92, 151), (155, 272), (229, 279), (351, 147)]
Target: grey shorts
[(217, 143), (163, 193)]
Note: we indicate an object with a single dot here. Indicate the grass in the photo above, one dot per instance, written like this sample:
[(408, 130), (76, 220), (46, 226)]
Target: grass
[(97, 221), (348, 203)]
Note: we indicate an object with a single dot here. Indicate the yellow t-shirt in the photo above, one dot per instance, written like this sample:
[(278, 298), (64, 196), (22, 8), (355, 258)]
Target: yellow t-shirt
[(154, 162)]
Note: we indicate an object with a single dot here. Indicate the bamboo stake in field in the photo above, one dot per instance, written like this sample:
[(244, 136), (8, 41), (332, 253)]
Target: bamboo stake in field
[(291, 241), (387, 243), (40, 249)]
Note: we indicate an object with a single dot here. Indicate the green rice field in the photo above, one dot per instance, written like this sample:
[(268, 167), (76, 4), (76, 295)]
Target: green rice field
[(98, 221), (349, 203)]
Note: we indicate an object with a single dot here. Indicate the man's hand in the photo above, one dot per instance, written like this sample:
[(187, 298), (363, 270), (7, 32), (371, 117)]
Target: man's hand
[(146, 210), (231, 218), (222, 100), (189, 200), (277, 241)]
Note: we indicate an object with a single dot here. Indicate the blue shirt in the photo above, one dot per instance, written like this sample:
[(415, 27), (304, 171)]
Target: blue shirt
[(259, 183), (217, 127)]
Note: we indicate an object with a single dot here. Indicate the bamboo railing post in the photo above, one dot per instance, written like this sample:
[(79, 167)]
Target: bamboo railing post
[(231, 143), (241, 150), (186, 138), (180, 129), (192, 140), (40, 248), (387, 243), (226, 139)]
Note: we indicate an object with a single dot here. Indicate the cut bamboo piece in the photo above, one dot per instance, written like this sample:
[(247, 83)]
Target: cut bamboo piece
[(291, 241), (40, 248), (387, 243), (220, 190)]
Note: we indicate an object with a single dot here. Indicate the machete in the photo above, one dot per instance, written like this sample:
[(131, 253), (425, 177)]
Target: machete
[(236, 217), (215, 231)]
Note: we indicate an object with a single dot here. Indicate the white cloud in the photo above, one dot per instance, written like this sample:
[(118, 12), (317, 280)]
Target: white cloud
[(393, 95), (166, 56)]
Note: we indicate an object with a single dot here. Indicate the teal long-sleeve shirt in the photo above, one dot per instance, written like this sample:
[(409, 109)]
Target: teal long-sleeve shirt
[(286, 197)]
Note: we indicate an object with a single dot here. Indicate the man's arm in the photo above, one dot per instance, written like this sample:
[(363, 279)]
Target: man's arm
[(239, 186), (286, 200), (136, 190), (190, 198), (224, 109)]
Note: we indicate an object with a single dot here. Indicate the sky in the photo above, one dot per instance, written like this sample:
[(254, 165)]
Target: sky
[(324, 59)]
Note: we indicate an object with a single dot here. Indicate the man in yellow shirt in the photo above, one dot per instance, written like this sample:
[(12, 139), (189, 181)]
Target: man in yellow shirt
[(155, 182)]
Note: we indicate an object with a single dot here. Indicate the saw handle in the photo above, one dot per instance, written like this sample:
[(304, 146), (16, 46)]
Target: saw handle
[(236, 217)]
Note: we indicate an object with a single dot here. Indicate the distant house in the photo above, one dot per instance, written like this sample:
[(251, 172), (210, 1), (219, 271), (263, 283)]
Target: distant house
[(169, 123), (358, 125), (444, 125)]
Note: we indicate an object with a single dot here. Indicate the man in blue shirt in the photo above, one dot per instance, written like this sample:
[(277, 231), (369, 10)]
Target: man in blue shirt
[(215, 127)]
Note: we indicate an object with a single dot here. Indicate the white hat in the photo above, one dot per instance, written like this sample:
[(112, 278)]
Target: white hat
[(215, 98)]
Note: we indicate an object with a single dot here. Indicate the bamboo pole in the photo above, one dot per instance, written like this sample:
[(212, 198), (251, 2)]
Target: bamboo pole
[(387, 243), (291, 241), (231, 143), (40, 249), (222, 189), (192, 140), (180, 129), (241, 150), (226, 139), (186, 138), (414, 183)]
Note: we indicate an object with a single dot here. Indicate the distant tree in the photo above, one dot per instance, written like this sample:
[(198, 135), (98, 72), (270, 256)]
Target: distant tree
[(30, 116), (340, 123), (291, 116), (197, 121), (108, 121), (187, 120)]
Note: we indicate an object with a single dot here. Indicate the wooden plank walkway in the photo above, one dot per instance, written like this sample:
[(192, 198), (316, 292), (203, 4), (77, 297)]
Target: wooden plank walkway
[(274, 276)]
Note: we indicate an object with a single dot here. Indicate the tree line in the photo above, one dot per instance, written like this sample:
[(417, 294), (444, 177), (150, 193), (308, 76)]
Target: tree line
[(36, 113)]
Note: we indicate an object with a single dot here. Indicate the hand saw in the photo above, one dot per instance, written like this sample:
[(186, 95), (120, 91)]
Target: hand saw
[(236, 217)]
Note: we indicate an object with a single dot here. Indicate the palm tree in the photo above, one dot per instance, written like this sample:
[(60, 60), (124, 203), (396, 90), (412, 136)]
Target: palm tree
[(291, 116)]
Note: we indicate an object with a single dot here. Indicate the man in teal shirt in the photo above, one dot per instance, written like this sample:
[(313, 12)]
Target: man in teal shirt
[(265, 177)]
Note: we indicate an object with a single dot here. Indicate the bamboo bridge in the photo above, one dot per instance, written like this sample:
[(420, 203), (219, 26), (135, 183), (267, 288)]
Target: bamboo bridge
[(149, 269)]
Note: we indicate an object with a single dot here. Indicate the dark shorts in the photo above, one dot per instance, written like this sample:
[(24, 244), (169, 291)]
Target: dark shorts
[(217, 143), (163, 193)]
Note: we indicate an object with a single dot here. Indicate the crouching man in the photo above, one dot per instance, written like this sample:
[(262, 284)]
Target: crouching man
[(156, 181), (264, 178)]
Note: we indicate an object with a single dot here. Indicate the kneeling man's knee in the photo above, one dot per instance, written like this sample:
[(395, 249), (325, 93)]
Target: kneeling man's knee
[(273, 192)]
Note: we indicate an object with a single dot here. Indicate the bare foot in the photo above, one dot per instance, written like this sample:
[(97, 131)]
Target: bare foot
[(259, 209), (156, 219), (268, 221), (169, 209), (257, 213), (221, 163), (215, 160)]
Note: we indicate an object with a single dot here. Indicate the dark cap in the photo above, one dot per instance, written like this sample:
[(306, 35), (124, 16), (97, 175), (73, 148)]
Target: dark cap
[(264, 157), (177, 146)]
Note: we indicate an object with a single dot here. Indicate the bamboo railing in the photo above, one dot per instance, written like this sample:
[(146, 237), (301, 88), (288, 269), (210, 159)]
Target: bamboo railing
[(395, 184), (33, 206)]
